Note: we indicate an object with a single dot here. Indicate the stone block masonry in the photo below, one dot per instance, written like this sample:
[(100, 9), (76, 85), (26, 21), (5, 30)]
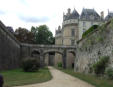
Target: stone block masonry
[(93, 46), (9, 49)]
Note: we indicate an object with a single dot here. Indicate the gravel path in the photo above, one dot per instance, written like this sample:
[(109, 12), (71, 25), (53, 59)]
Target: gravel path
[(60, 79)]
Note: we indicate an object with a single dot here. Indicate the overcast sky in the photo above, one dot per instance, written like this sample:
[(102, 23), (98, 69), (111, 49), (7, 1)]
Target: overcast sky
[(27, 13)]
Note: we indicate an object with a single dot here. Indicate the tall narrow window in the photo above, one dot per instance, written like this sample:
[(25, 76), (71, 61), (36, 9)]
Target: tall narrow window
[(84, 30), (84, 24), (72, 42), (73, 32), (91, 23)]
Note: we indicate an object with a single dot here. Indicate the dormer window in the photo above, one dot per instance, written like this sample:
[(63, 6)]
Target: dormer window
[(92, 17)]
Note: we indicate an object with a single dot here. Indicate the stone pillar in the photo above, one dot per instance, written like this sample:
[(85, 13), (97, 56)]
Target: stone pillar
[(64, 58), (41, 60), (51, 59), (46, 59)]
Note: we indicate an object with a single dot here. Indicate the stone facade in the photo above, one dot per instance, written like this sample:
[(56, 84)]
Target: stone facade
[(47, 51), (9, 49), (97, 44), (74, 25)]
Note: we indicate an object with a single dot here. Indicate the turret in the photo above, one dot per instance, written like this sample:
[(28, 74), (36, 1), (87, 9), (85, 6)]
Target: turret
[(102, 15), (68, 11)]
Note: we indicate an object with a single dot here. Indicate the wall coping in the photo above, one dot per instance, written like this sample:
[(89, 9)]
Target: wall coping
[(3, 27), (48, 46)]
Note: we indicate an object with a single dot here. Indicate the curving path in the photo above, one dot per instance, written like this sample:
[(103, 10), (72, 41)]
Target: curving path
[(60, 79)]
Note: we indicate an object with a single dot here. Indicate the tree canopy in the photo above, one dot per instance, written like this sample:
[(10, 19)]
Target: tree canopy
[(24, 36), (37, 35), (42, 35)]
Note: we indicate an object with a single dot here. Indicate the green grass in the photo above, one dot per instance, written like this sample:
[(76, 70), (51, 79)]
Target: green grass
[(18, 77), (96, 81)]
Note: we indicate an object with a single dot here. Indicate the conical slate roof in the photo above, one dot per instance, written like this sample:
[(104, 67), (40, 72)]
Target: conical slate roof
[(109, 16), (89, 14), (73, 15)]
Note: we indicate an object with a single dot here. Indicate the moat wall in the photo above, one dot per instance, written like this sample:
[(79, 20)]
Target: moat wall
[(9, 49), (93, 46)]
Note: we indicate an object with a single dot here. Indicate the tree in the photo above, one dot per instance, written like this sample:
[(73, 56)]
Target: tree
[(42, 35), (24, 36)]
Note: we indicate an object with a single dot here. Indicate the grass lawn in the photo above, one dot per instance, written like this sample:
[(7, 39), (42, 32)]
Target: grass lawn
[(96, 81), (18, 77)]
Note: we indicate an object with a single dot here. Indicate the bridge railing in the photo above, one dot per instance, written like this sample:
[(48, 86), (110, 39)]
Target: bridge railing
[(48, 46)]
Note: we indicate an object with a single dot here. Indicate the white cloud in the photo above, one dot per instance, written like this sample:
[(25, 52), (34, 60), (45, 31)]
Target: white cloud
[(50, 12)]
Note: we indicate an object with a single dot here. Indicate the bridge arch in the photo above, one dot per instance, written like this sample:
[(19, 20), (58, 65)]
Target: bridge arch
[(51, 56), (56, 51), (72, 51), (35, 53), (71, 55)]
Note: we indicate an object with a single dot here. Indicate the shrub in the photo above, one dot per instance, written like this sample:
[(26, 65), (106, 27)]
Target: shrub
[(99, 66), (109, 72), (30, 64), (91, 29), (59, 64)]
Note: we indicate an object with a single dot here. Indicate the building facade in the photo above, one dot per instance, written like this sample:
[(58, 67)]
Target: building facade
[(74, 25)]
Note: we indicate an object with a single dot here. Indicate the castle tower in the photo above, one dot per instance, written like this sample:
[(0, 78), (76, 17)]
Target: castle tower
[(102, 15), (70, 27)]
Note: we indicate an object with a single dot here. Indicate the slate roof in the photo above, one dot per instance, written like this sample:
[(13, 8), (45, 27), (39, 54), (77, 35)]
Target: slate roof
[(109, 16), (73, 15), (89, 14)]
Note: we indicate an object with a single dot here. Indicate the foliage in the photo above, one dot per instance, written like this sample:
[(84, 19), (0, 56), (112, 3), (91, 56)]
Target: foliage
[(10, 29), (109, 72), (59, 64), (30, 64), (24, 36), (43, 35), (18, 77), (99, 66), (99, 39), (91, 29)]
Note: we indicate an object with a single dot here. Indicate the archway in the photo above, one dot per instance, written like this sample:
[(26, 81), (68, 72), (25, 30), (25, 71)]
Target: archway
[(50, 57), (35, 53), (70, 59)]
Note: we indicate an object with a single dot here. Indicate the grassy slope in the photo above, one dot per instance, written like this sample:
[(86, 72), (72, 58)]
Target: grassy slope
[(18, 77), (97, 82)]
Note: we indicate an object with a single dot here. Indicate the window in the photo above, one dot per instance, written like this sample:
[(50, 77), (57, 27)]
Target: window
[(73, 32), (91, 23), (84, 30), (84, 24), (72, 42)]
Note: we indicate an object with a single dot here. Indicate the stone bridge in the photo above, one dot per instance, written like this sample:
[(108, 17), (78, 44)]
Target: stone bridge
[(12, 51), (42, 50)]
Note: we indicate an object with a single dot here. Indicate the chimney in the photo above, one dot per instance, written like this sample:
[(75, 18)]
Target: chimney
[(68, 10), (59, 27), (102, 15), (63, 16)]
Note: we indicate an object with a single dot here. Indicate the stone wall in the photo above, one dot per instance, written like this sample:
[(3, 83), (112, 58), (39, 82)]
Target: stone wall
[(95, 45), (9, 49)]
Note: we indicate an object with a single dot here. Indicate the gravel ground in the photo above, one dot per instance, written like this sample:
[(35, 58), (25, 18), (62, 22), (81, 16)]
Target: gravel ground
[(60, 79)]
